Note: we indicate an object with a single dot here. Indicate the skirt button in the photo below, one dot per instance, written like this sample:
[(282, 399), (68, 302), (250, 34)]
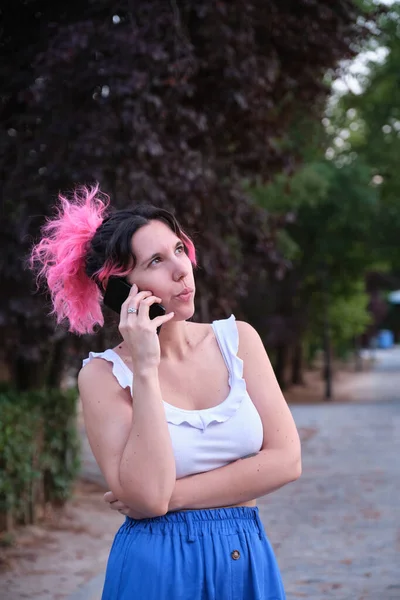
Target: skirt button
[(235, 554)]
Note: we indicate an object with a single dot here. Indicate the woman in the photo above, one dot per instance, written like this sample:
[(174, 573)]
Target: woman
[(188, 427)]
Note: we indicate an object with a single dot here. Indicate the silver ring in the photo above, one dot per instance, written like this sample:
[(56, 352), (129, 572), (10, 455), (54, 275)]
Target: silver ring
[(132, 310)]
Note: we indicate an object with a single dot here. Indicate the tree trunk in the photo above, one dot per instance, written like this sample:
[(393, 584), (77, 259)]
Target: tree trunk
[(57, 363), (281, 353), (27, 374), (297, 364)]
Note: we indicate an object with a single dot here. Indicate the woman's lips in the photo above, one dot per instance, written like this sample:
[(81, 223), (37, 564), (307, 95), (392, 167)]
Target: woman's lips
[(185, 296)]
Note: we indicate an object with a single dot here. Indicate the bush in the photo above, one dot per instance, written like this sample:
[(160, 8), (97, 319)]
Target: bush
[(39, 452)]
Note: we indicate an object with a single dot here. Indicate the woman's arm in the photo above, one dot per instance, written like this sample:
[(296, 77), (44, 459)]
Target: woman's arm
[(238, 482), (129, 435), (278, 462), (132, 447)]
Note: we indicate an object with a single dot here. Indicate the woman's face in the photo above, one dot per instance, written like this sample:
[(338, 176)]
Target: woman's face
[(163, 268)]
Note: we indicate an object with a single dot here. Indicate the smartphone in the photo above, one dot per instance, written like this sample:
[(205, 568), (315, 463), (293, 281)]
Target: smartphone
[(117, 292)]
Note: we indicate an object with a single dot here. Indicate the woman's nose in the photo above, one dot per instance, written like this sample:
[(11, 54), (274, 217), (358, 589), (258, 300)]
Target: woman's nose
[(180, 272)]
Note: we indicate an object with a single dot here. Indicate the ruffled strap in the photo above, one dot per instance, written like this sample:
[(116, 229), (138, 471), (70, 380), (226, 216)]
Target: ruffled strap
[(119, 369), (227, 335)]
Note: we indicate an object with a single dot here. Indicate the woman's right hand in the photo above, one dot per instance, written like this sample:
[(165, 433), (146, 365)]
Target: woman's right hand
[(139, 331)]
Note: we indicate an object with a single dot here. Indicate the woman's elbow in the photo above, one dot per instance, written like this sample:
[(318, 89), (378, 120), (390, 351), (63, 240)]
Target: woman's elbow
[(156, 504), (291, 467), (296, 470), (149, 504), (152, 504), (294, 464), (149, 509), (158, 509)]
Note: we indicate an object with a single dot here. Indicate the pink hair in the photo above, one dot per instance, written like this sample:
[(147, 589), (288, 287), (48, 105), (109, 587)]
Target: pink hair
[(189, 247), (61, 258)]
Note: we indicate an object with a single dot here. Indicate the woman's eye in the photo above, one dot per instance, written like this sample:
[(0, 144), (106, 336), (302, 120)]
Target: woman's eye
[(178, 250)]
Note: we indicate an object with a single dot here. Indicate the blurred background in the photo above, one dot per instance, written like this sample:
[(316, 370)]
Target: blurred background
[(272, 129)]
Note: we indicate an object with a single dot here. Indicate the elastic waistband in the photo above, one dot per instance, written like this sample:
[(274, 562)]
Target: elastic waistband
[(210, 514), (199, 522)]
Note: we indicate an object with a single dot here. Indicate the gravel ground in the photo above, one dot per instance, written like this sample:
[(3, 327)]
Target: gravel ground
[(336, 531)]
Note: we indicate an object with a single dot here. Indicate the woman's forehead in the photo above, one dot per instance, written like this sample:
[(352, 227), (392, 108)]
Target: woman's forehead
[(151, 238)]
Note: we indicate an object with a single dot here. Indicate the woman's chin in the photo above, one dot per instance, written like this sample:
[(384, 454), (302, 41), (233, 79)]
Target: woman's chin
[(183, 313)]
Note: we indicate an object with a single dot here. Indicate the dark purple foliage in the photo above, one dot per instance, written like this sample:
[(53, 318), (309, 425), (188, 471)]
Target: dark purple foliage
[(173, 102)]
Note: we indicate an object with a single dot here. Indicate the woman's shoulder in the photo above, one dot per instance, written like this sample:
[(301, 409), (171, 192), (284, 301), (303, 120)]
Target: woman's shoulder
[(232, 334), (92, 371), (94, 366), (103, 370), (241, 329), (97, 363), (94, 358), (246, 330), (250, 342)]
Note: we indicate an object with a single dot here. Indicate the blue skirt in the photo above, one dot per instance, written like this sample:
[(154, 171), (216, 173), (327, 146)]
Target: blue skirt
[(213, 554)]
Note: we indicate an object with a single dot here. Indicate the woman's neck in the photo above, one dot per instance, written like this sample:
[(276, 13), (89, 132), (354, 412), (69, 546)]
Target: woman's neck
[(175, 340)]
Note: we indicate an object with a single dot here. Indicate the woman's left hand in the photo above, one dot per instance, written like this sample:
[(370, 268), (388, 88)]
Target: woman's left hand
[(119, 506)]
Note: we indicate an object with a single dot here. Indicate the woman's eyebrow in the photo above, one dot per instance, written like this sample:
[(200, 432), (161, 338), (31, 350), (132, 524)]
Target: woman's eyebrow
[(149, 259), (153, 256)]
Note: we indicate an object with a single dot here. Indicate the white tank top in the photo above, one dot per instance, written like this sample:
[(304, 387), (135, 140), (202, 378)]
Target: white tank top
[(209, 438)]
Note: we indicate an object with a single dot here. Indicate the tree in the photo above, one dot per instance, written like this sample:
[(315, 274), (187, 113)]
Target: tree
[(174, 103), (370, 124), (330, 243), (365, 127)]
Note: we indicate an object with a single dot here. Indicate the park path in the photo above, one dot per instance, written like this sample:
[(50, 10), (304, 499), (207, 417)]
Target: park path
[(336, 531)]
